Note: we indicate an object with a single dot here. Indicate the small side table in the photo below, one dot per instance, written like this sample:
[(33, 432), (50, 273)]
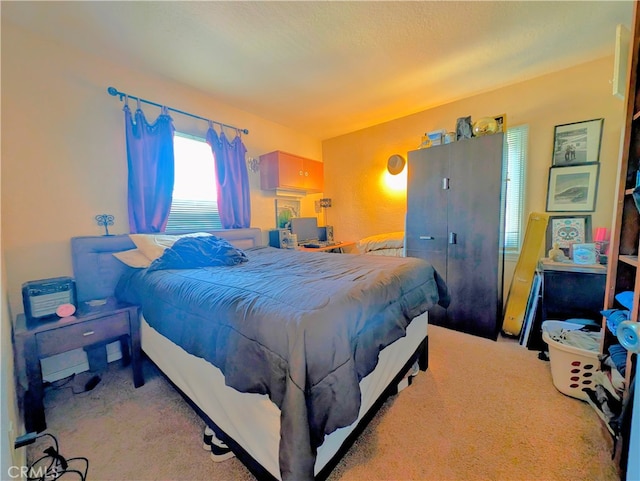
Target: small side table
[(572, 290), (569, 291), (35, 340)]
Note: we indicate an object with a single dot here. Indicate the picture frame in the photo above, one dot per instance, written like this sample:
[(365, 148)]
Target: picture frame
[(464, 128), (565, 230), (285, 210), (577, 143), (501, 120), (585, 253), (573, 188)]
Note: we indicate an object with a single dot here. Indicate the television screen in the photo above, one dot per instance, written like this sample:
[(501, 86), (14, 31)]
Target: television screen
[(306, 228)]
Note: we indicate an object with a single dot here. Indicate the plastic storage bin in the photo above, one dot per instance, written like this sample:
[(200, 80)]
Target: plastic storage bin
[(572, 368)]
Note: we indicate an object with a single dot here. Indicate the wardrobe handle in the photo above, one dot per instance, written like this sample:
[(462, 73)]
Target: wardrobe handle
[(445, 183), (453, 238), (426, 237)]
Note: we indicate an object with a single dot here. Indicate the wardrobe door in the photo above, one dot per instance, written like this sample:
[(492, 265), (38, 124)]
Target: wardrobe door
[(426, 222), (474, 266)]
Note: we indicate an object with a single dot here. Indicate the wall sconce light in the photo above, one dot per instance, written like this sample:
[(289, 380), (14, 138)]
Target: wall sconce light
[(395, 164), (324, 203), (105, 220), (253, 164)]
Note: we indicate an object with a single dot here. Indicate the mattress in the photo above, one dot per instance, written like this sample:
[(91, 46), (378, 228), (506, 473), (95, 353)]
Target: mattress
[(309, 325), (317, 320), (252, 420)]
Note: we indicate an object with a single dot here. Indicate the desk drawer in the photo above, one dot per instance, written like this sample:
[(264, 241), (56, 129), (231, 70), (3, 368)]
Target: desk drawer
[(83, 334)]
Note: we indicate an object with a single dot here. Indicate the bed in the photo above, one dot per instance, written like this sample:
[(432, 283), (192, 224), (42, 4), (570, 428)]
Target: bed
[(385, 244), (321, 340)]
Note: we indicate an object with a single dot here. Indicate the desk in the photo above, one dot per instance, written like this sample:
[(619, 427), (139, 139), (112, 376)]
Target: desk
[(337, 247), (569, 291)]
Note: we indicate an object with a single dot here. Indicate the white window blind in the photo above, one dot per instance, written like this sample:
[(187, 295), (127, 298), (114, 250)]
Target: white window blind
[(194, 206), (517, 139)]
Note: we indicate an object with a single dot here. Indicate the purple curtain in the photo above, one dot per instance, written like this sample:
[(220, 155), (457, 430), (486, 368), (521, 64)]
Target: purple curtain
[(151, 170), (232, 180)]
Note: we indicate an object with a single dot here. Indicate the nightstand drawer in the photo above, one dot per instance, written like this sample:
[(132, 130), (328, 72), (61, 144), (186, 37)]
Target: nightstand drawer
[(83, 334)]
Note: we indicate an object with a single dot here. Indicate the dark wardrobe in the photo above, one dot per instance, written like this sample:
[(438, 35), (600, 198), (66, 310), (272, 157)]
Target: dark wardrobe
[(455, 220)]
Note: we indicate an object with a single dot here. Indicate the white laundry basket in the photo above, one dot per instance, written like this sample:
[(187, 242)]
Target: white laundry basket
[(572, 368)]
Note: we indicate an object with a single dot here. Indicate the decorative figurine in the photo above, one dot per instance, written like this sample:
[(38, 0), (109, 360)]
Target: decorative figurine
[(485, 126), (556, 254), (105, 220)]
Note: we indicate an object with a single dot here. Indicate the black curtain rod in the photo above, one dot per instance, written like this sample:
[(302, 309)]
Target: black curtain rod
[(114, 92)]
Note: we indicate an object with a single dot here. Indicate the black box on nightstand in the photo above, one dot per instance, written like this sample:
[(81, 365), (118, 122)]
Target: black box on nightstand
[(41, 298)]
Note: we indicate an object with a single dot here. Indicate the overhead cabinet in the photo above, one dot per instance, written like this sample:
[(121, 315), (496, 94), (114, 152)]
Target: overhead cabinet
[(288, 172), (455, 217)]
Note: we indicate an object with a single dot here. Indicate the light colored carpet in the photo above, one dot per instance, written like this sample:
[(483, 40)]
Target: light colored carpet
[(483, 411)]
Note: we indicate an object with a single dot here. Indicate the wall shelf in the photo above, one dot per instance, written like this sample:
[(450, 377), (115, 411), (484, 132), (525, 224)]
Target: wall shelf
[(631, 260)]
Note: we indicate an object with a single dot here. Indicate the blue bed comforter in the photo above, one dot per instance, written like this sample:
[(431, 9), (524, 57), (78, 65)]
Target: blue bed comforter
[(303, 328)]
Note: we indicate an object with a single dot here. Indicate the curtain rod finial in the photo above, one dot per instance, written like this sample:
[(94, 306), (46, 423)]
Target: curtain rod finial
[(112, 91)]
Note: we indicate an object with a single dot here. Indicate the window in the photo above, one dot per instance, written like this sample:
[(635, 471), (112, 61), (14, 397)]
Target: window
[(517, 138), (194, 205)]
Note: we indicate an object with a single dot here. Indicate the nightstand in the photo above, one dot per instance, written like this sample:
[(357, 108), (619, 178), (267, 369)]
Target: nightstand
[(569, 291), (91, 325), (572, 290)]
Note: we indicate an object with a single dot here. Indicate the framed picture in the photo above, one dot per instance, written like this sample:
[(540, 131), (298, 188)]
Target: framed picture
[(464, 129), (573, 188), (565, 230), (577, 143), (285, 210), (584, 253), (501, 120)]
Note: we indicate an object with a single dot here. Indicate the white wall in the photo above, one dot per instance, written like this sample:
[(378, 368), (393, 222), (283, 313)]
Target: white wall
[(63, 150), (63, 156), (355, 163), (64, 161)]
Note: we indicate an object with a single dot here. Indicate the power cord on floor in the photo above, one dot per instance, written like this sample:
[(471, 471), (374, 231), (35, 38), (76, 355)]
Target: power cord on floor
[(53, 465), (63, 384), (60, 383)]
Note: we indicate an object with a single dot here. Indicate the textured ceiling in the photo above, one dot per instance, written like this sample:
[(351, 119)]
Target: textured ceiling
[(329, 68)]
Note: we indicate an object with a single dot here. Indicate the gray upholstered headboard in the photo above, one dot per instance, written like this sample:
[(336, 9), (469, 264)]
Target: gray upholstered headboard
[(96, 270)]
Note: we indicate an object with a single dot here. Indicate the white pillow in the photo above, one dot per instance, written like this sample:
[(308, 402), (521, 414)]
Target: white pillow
[(133, 258), (390, 240), (153, 245)]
